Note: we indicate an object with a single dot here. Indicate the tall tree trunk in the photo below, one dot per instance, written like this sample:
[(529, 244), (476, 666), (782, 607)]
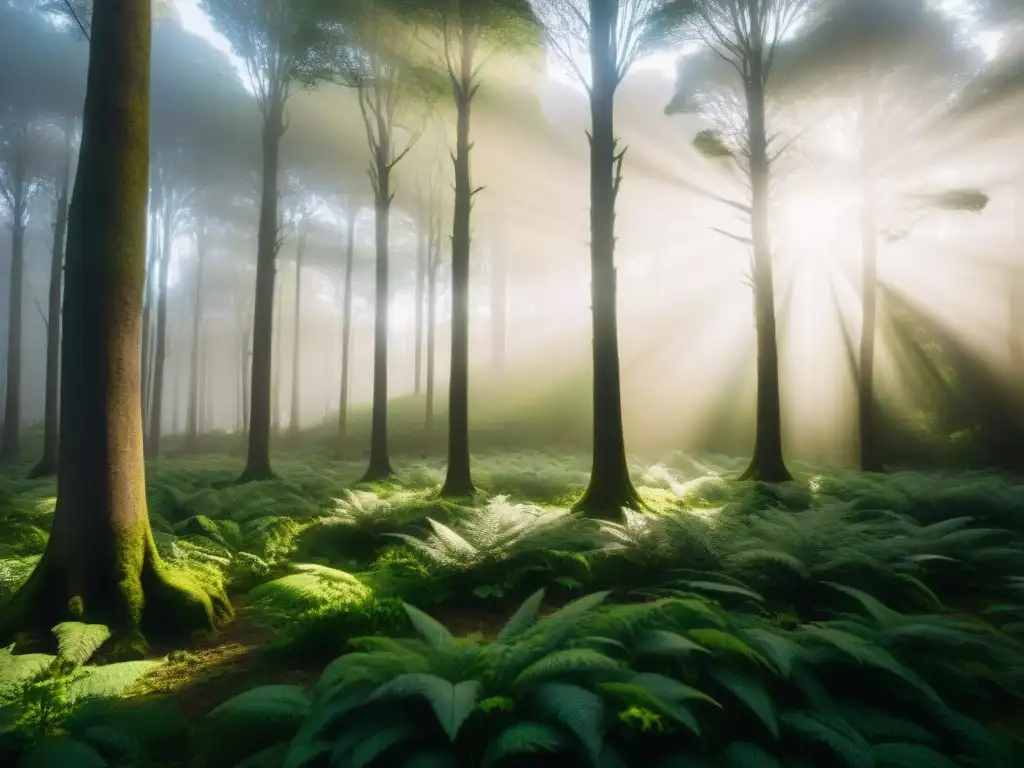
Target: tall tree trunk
[(10, 444), (175, 401), (101, 564), (257, 466), (869, 458), (380, 462), (499, 306), (432, 276), (767, 463), (610, 488), (51, 431), (346, 333), (192, 413), (458, 481), (147, 310), (421, 277), (209, 415), (278, 366), (246, 383), (293, 422), (243, 353), (159, 363)]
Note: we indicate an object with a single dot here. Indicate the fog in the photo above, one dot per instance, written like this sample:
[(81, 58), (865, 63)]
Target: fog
[(687, 337)]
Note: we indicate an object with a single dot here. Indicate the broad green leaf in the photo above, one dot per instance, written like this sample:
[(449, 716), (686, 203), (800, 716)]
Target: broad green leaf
[(429, 628), (525, 737), (523, 617)]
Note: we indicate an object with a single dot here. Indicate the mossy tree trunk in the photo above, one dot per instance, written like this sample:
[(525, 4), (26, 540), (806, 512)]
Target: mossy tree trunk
[(610, 488), (160, 351), (51, 431), (257, 466), (293, 422), (459, 481), (767, 462), (346, 331), (101, 563), (192, 413)]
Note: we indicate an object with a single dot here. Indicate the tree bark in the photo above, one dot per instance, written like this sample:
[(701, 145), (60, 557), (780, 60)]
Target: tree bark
[(246, 391), (458, 481), (346, 333), (160, 360), (380, 462), (10, 444), (610, 488), (47, 465), (767, 463), (101, 564), (257, 465), (192, 413), (277, 366), (293, 422)]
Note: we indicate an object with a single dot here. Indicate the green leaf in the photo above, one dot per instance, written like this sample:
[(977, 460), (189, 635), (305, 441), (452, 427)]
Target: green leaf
[(452, 704), (781, 651), (527, 737), (302, 754), (717, 640), (669, 690), (876, 609), (429, 628), (909, 756), (576, 609), (661, 642), (578, 709), (567, 661), (523, 617), (750, 692), (432, 758), (77, 642), (377, 744), (844, 742), (639, 695), (720, 588), (277, 710), (743, 754)]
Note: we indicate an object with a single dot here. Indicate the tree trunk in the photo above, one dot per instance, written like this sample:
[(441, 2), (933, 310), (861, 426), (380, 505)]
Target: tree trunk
[(293, 422), (421, 279), (159, 362), (51, 432), (380, 462), (257, 465), (246, 382), (869, 458), (192, 413), (767, 463), (278, 365), (346, 334), (610, 488), (458, 481), (435, 263), (147, 311), (499, 306), (209, 418), (101, 564), (10, 444)]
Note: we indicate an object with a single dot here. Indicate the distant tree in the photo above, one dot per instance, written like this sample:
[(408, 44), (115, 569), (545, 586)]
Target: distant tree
[(51, 412), (435, 257), (890, 67), (20, 180), (275, 38), (101, 564), (370, 54), (746, 35), (615, 33), (350, 204)]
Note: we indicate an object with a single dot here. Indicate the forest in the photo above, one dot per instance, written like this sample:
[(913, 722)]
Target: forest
[(512, 384)]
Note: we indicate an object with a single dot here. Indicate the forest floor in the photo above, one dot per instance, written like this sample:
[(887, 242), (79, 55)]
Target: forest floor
[(311, 561)]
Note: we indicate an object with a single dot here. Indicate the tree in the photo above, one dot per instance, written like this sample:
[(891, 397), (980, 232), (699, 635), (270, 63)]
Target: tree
[(275, 38), (20, 180), (890, 67), (746, 35), (615, 34), (370, 55), (470, 33), (434, 259), (51, 414), (101, 564)]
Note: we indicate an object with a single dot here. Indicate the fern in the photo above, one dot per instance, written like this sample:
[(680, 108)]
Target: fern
[(576, 708), (452, 702), (522, 738)]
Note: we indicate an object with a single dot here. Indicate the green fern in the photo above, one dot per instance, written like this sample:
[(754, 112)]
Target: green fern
[(523, 738)]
